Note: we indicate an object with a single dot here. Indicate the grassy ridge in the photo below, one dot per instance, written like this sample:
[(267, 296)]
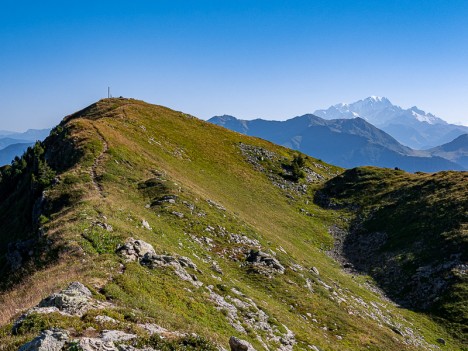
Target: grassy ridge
[(126, 155)]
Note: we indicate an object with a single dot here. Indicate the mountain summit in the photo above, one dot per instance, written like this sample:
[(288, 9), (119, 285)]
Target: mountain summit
[(412, 127)]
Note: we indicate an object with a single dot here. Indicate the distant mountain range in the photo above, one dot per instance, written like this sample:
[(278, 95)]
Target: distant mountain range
[(455, 151), (411, 127), (344, 142), (10, 152), (15, 143)]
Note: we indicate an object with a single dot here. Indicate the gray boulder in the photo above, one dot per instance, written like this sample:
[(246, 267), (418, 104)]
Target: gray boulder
[(261, 258), (48, 340), (74, 300), (240, 345), (134, 250)]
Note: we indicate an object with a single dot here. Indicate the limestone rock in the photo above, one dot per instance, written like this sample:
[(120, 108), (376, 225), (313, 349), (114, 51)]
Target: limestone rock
[(48, 340), (116, 335), (158, 330), (96, 344), (134, 250), (146, 225), (74, 300), (239, 345)]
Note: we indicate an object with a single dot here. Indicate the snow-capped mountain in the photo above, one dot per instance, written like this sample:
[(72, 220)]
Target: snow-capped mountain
[(412, 127)]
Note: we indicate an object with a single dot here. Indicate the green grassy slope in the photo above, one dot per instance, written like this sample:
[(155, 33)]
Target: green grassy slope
[(115, 162), (410, 232)]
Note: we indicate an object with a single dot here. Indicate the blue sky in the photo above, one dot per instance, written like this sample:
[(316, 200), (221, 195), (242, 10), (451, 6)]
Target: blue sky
[(271, 59)]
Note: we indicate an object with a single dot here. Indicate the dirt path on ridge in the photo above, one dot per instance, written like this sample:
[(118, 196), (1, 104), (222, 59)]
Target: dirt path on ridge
[(97, 162)]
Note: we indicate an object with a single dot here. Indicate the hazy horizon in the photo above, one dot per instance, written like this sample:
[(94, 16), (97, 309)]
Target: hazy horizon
[(250, 59)]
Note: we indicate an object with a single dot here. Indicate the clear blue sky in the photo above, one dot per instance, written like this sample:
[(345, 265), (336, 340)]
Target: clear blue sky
[(271, 59)]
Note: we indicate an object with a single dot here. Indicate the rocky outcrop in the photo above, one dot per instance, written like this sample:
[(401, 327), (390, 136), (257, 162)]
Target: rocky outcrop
[(265, 262), (152, 260), (134, 250), (76, 299), (95, 344), (60, 340), (48, 340), (243, 313), (141, 251)]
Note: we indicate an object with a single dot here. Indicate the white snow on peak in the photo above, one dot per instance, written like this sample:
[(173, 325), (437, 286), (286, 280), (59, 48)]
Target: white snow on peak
[(379, 111)]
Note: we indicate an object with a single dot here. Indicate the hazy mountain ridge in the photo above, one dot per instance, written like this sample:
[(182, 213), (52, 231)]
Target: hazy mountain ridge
[(412, 127), (344, 142), (8, 153), (455, 151), (13, 144), (176, 226)]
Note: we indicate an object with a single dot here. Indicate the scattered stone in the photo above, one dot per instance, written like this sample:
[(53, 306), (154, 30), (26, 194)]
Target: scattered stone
[(170, 199), (239, 345), (296, 267), (103, 225), (315, 270), (189, 205), (215, 204), (242, 312), (178, 214), (134, 250), (216, 267), (146, 225), (48, 340), (243, 239)]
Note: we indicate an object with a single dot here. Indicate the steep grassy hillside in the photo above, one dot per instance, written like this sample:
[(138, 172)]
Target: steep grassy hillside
[(410, 232), (240, 248)]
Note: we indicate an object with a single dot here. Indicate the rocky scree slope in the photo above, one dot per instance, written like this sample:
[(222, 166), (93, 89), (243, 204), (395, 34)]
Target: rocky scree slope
[(136, 227)]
